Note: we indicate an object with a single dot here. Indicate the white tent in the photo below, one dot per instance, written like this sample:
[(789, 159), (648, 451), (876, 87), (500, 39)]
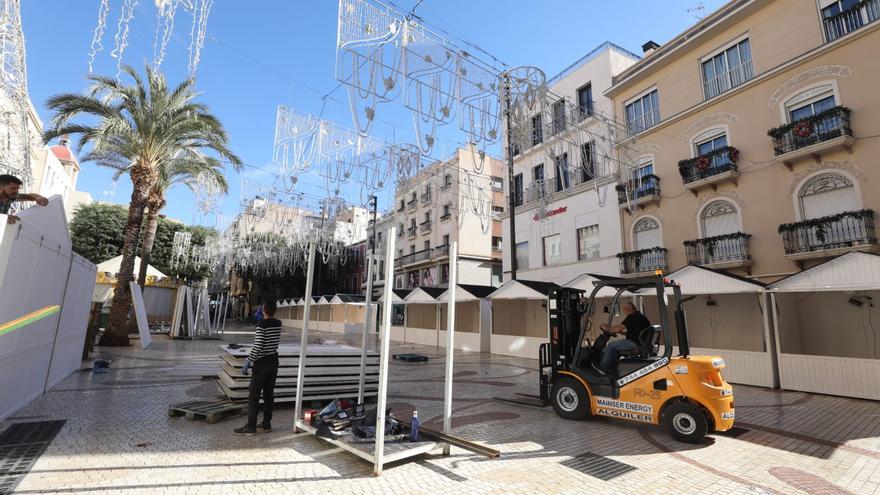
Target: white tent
[(473, 317), (698, 280), (523, 289), (585, 283), (111, 266), (519, 317), (824, 333)]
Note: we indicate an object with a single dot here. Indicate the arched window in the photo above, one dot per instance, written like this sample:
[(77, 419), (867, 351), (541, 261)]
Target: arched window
[(719, 217), (647, 234), (826, 194)]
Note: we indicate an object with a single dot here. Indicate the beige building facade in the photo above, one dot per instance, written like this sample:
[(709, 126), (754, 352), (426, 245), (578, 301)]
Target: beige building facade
[(714, 188), (454, 200)]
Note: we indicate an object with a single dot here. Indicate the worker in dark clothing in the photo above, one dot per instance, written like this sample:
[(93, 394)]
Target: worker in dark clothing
[(631, 326), (264, 360), (9, 193)]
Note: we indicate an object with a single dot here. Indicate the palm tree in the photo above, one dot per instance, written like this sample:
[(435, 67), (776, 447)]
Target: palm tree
[(144, 127)]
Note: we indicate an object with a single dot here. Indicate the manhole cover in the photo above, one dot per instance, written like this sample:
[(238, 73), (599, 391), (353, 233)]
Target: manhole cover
[(598, 466)]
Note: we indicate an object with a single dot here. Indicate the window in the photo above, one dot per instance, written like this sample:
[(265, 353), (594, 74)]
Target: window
[(643, 113), (563, 180), (412, 248), (538, 172), (497, 209), (845, 16), (709, 145), (720, 162), (522, 256), (728, 69), (444, 274), (518, 190), (427, 245), (646, 234), (402, 206), (446, 240), (645, 185), (497, 183), (827, 194), (585, 101), (559, 116), (588, 163), (588, 242), (496, 243), (447, 180), (552, 250), (446, 211), (427, 217), (537, 130), (381, 269), (719, 217), (804, 110)]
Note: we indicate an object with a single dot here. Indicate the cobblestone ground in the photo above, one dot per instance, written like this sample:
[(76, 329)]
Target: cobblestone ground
[(119, 438)]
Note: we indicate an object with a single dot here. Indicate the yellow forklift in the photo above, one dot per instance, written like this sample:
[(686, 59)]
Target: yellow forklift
[(686, 394)]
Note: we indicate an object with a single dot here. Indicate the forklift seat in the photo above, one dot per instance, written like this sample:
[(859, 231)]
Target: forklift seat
[(649, 343)]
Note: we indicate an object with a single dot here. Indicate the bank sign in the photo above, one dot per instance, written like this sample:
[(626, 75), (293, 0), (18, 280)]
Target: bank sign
[(550, 213)]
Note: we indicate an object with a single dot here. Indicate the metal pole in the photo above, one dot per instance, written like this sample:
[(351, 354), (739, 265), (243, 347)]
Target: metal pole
[(384, 349), (304, 340), (450, 341), (511, 191), (225, 310), (368, 317)]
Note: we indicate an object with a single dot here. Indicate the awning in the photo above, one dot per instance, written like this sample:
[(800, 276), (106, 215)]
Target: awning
[(696, 280), (467, 293), (423, 295), (112, 265), (348, 299), (397, 295), (849, 272), (523, 289), (585, 283)]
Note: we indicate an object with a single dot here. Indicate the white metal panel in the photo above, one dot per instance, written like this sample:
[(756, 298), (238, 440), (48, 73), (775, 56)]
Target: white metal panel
[(646, 239), (698, 280), (852, 271), (830, 202), (727, 223), (849, 377), (742, 367), (516, 346)]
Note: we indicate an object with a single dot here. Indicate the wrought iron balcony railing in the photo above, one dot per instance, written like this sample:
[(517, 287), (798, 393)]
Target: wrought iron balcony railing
[(645, 260), (411, 203), (704, 166), (404, 260), (422, 255), (649, 186), (823, 126), (728, 79), (426, 197), (425, 226), (844, 230), (441, 251), (411, 231), (860, 14), (717, 250)]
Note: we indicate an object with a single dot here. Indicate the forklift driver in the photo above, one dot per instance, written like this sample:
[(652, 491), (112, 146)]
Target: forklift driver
[(634, 323)]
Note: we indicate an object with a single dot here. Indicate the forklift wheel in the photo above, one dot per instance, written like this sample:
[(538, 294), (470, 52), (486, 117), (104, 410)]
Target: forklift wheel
[(570, 400), (686, 422)]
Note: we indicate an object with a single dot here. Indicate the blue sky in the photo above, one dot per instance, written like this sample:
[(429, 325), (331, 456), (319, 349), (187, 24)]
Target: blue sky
[(261, 54)]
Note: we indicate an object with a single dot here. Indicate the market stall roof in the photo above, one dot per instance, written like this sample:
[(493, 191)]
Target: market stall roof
[(422, 295), (347, 299), (467, 292), (523, 289), (323, 300), (298, 301), (585, 283), (397, 295), (695, 280), (112, 266), (849, 272)]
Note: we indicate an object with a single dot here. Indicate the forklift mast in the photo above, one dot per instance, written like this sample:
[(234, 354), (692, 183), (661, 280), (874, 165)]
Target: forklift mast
[(565, 318)]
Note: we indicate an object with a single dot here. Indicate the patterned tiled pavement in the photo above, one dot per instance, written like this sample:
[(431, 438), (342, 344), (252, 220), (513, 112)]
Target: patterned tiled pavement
[(118, 438)]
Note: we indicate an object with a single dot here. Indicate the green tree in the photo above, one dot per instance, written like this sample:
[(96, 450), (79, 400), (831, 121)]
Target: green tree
[(138, 127)]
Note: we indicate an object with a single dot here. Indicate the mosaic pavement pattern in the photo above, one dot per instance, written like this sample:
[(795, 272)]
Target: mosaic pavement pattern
[(118, 438)]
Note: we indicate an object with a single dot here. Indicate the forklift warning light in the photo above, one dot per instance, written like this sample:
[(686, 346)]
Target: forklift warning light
[(658, 272)]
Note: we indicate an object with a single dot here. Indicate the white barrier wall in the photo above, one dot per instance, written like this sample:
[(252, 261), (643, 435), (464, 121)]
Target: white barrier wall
[(39, 270)]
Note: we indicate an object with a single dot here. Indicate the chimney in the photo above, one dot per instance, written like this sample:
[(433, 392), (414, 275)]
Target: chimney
[(649, 47)]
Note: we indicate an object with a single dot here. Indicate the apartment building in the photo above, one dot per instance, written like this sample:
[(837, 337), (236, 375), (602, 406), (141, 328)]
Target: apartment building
[(566, 217), (457, 199), (753, 139)]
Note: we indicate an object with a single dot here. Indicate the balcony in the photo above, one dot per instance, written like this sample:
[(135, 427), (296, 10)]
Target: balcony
[(641, 194), (860, 14), (722, 251), (538, 190), (818, 133), (446, 185), (426, 198), (411, 204), (830, 236), (710, 169), (441, 251), (401, 207), (643, 261), (411, 231), (406, 259), (425, 226), (445, 216), (424, 254), (400, 233)]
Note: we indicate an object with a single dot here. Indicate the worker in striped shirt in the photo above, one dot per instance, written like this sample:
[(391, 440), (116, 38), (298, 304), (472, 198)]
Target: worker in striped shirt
[(263, 358)]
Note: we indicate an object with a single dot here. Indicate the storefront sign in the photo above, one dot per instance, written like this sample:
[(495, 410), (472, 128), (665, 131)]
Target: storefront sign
[(550, 213)]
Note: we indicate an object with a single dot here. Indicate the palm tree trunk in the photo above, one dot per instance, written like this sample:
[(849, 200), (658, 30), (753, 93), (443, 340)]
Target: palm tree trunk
[(148, 241), (117, 331)]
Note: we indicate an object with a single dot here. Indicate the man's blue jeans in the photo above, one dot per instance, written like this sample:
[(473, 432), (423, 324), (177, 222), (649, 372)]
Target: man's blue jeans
[(612, 353)]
